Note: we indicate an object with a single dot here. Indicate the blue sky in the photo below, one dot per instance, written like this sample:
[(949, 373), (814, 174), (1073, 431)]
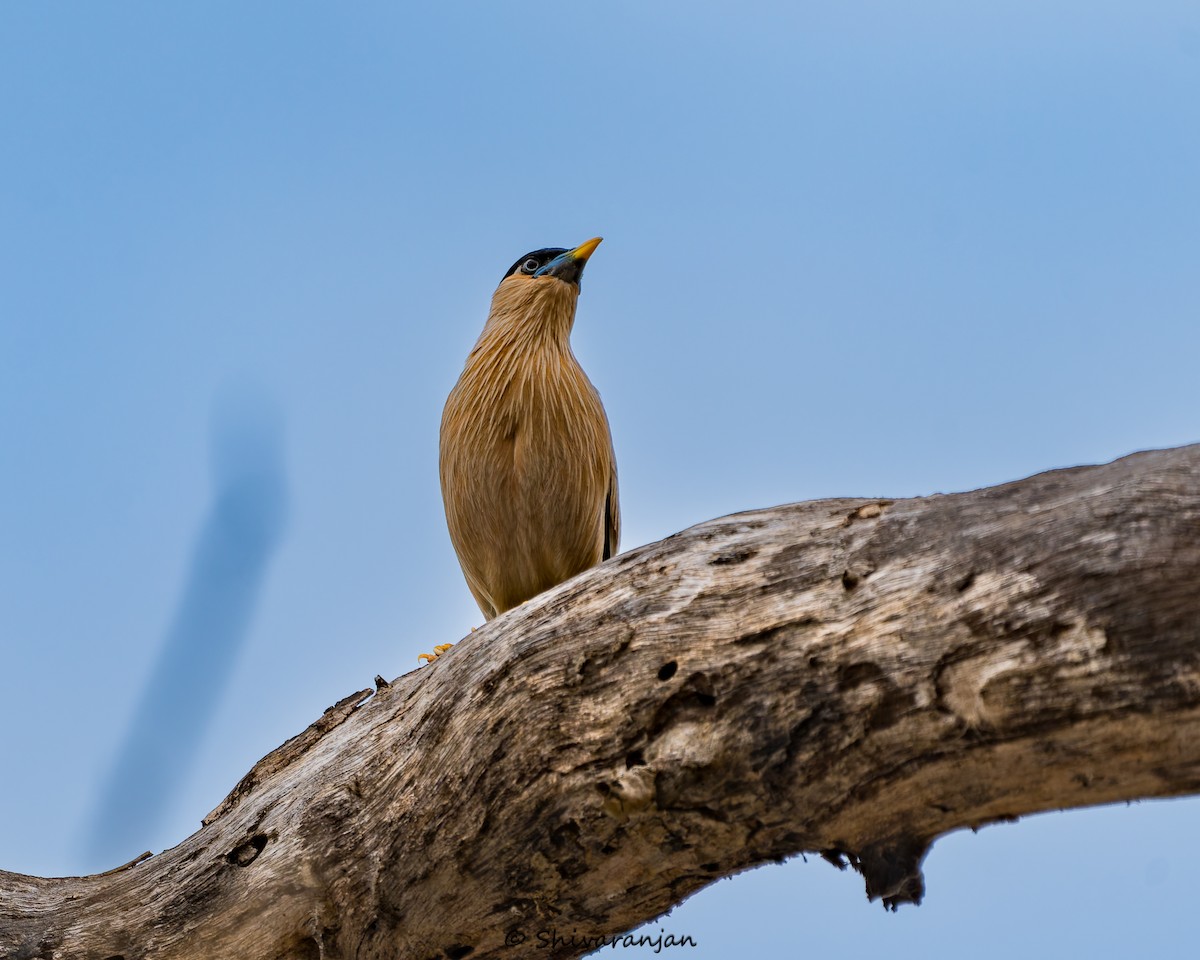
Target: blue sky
[(850, 249)]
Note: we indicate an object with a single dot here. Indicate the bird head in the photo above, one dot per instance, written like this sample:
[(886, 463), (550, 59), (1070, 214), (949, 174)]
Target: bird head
[(555, 263), (539, 292)]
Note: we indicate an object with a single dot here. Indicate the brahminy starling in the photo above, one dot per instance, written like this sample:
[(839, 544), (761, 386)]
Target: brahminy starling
[(529, 478)]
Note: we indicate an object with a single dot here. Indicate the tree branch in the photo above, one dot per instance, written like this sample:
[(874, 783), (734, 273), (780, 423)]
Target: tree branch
[(849, 677)]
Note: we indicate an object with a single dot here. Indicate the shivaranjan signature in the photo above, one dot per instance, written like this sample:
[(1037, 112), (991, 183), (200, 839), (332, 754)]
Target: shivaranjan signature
[(554, 940)]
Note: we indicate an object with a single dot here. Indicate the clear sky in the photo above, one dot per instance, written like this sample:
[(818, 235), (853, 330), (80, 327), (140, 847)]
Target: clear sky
[(850, 249)]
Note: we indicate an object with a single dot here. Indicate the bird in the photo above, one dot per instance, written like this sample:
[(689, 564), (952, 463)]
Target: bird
[(528, 470)]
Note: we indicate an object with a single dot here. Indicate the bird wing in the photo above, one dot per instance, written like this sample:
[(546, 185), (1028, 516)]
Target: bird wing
[(612, 518)]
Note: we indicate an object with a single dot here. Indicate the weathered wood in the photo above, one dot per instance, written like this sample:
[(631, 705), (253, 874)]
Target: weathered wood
[(849, 677)]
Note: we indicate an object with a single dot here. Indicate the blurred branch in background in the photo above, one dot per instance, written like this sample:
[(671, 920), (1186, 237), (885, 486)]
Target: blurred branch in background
[(233, 551)]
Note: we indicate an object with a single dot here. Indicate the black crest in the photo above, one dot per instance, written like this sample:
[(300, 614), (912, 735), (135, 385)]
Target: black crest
[(542, 257)]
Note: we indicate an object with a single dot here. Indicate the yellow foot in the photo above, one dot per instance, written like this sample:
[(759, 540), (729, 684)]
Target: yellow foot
[(437, 652)]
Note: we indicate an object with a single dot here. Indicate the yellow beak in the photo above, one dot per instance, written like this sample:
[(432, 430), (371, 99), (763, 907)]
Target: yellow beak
[(584, 250)]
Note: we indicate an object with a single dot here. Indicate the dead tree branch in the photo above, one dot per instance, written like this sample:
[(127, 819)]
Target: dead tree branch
[(849, 677)]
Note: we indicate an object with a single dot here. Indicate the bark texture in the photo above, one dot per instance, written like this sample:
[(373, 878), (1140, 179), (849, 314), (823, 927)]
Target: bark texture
[(847, 677)]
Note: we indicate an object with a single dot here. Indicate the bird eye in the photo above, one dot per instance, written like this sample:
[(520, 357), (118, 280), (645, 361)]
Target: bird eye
[(530, 265)]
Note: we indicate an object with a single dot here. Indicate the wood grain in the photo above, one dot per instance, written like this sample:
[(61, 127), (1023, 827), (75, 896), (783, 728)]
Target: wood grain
[(852, 678)]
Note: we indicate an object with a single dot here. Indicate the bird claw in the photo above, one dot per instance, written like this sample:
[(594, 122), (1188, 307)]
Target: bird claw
[(437, 652)]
